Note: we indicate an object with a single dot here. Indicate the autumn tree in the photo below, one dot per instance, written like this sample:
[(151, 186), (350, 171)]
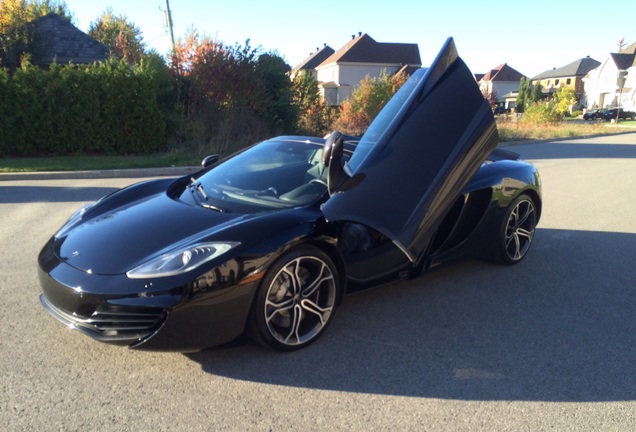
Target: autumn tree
[(366, 101), (230, 95), (122, 36), (314, 115), (16, 36), (564, 99), (490, 96)]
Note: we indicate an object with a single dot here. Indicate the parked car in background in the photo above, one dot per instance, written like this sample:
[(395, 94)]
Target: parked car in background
[(622, 114), (594, 114), (501, 110)]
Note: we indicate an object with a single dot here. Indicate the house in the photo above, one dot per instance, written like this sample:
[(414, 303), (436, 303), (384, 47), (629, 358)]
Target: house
[(570, 75), (613, 83), (341, 73), (61, 41), (315, 59), (498, 82)]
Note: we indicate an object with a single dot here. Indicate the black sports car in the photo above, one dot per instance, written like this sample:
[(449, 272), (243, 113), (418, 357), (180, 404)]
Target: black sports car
[(267, 241)]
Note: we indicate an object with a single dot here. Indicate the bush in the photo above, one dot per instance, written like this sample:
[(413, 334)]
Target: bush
[(541, 113), (106, 108)]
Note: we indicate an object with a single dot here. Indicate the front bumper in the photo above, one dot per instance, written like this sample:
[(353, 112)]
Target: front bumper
[(166, 314), (119, 327)]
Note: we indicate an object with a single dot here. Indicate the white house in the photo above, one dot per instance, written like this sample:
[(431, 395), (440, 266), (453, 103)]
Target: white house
[(613, 82), (500, 82), (343, 71)]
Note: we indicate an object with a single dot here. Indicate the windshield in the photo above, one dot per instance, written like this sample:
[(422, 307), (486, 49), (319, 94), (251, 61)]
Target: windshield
[(274, 174)]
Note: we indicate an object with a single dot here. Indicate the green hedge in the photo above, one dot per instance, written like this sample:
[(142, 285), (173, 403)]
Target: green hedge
[(105, 108)]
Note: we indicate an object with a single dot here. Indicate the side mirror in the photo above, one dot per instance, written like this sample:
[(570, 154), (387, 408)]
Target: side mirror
[(209, 160), (332, 153), (330, 143)]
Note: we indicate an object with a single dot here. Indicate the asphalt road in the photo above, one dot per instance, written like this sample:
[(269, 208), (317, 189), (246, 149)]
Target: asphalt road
[(549, 344)]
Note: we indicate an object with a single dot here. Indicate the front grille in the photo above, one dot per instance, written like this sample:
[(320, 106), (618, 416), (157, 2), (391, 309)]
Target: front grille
[(111, 325)]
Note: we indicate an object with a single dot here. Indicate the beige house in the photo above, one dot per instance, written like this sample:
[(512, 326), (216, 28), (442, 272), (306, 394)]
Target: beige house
[(570, 75), (342, 71)]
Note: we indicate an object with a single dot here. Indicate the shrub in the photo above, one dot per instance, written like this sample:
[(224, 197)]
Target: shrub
[(107, 108), (541, 113)]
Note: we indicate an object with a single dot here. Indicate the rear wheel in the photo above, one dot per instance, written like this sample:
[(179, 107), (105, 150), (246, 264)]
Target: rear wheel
[(296, 300), (516, 233)]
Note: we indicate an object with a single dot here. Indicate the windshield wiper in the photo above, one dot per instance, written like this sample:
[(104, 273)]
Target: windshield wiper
[(199, 188)]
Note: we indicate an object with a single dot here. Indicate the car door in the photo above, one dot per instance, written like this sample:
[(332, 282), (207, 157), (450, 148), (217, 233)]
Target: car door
[(416, 157)]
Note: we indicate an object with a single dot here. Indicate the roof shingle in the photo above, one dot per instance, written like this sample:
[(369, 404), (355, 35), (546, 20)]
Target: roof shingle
[(503, 72), (364, 49), (61, 40), (315, 58), (579, 68)]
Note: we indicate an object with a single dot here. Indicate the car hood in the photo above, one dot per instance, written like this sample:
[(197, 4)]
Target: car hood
[(417, 155), (122, 232)]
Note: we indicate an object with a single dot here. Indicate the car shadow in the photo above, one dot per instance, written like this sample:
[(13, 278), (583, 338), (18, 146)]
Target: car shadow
[(561, 326), (32, 194)]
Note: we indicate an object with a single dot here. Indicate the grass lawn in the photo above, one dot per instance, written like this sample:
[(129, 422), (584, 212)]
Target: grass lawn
[(80, 163), (509, 130)]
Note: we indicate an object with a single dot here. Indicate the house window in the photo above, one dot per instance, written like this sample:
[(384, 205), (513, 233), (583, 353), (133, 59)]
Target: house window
[(569, 81), (556, 82)]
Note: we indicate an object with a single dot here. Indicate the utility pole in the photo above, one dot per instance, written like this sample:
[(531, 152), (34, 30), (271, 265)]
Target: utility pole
[(169, 23)]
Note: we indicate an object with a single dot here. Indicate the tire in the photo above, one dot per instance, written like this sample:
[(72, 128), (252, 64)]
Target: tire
[(296, 300), (516, 233)]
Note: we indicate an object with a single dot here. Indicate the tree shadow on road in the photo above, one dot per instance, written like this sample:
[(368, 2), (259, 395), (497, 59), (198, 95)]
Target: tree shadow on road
[(560, 326)]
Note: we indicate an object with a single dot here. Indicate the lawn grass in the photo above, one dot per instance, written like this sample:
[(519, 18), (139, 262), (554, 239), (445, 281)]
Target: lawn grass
[(80, 163), (509, 130)]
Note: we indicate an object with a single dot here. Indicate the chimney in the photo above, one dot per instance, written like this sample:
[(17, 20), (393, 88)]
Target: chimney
[(359, 33)]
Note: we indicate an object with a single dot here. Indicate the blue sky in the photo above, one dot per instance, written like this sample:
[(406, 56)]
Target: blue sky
[(530, 36)]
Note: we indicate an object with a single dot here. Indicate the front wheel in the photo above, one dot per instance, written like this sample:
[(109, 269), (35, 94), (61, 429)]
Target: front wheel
[(516, 232), (296, 300)]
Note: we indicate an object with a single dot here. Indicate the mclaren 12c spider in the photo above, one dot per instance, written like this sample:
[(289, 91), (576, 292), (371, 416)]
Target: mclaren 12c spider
[(267, 241)]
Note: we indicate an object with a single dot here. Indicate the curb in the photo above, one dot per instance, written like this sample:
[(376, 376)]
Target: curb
[(101, 174)]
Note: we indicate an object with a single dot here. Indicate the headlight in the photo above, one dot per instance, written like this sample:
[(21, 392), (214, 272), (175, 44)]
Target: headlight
[(180, 260)]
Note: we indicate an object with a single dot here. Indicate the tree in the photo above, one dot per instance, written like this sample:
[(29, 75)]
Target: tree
[(366, 101), (564, 99), (276, 92), (490, 96), (230, 96), (314, 116), (16, 36), (122, 37), (528, 94), (523, 98)]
